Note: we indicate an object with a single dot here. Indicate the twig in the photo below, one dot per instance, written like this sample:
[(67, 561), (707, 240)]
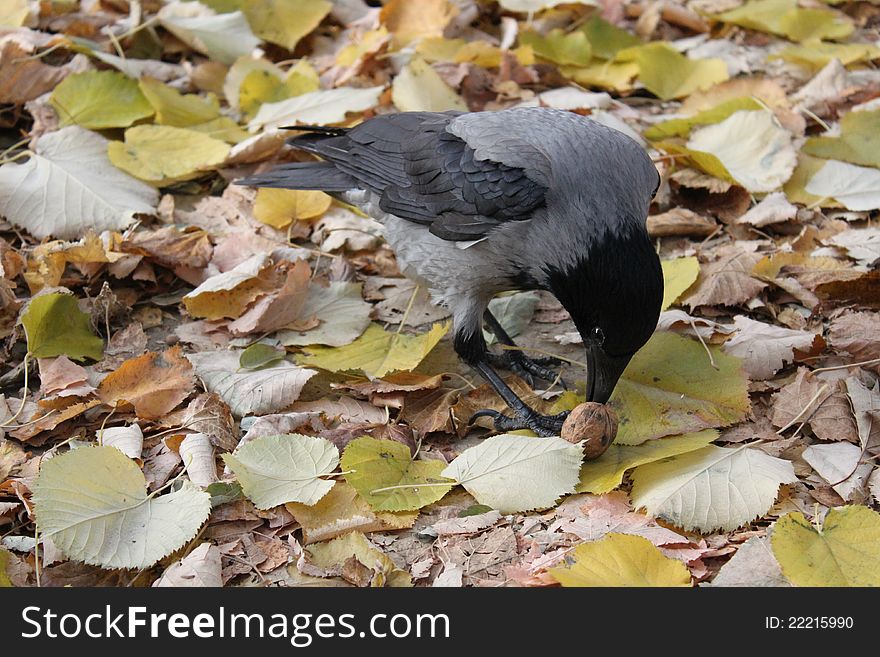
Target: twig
[(703, 342), (873, 361)]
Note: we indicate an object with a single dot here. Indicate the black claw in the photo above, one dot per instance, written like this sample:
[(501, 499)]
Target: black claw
[(527, 368), (543, 425)]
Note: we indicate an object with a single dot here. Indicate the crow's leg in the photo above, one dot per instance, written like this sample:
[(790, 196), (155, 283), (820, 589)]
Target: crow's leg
[(525, 417), (516, 361)]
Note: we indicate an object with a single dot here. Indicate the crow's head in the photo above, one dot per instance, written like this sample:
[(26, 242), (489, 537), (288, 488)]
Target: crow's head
[(607, 274)]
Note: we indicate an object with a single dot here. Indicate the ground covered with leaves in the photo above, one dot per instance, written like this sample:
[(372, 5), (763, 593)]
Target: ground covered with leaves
[(205, 384)]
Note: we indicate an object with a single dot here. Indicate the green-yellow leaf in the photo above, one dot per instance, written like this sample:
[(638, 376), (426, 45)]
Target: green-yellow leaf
[(5, 582), (371, 464), (280, 207), (607, 39), (99, 100), (845, 551), (514, 473), (678, 275), (668, 74), (419, 88), (176, 109), (162, 154), (711, 488), (260, 354), (93, 503), (558, 47), (620, 560), (795, 187), (682, 127), (285, 22), (377, 352), (816, 55), (858, 143), (786, 18), (55, 326), (273, 470), (605, 473), (670, 388)]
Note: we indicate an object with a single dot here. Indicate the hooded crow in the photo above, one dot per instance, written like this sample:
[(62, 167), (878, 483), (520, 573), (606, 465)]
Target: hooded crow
[(475, 204)]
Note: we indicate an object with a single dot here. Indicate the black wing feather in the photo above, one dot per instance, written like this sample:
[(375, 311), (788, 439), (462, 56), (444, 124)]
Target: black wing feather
[(420, 172)]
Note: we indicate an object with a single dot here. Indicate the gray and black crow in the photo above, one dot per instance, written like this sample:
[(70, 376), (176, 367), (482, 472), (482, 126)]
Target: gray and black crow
[(475, 204)]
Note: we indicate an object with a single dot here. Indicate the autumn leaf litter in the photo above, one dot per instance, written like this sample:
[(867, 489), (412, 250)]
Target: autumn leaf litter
[(239, 387)]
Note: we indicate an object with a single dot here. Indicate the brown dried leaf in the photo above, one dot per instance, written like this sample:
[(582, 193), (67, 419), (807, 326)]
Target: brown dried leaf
[(829, 416), (727, 280)]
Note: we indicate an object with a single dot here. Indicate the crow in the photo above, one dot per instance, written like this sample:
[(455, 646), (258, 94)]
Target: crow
[(475, 204)]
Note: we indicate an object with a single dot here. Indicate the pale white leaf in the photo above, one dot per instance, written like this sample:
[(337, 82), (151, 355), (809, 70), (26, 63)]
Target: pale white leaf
[(266, 390), (513, 312), (223, 37), (711, 488), (772, 209), (752, 565), (92, 501), (874, 484), (342, 311), (866, 407), (197, 454), (129, 439), (201, 567), (320, 107), (765, 348), (839, 464), (861, 244), (532, 6), (513, 473), (856, 188), (752, 146), (274, 470), (69, 187)]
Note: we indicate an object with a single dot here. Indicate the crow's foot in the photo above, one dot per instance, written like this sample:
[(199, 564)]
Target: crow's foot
[(543, 425), (527, 368)]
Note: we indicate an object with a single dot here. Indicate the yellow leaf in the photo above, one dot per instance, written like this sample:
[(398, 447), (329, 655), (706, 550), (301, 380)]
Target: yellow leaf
[(369, 43), (620, 560), (681, 127), (607, 39), (816, 55), (301, 78), (668, 74), (795, 187), (279, 207), (613, 75), (377, 352), (341, 511), (419, 88), (408, 20), (331, 556), (162, 154), (858, 143), (845, 551), (285, 22), (678, 275), (176, 109), (785, 18), (605, 473), (13, 14), (556, 46), (670, 388), (99, 99)]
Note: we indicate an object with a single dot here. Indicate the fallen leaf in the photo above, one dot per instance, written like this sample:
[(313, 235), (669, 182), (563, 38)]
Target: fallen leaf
[(711, 488), (317, 107), (513, 473), (571, 49), (223, 37), (285, 22), (856, 188), (197, 454), (279, 207), (277, 309), (154, 383), (69, 186), (726, 281), (678, 276), (328, 559), (341, 311), (620, 560), (377, 352), (668, 74), (844, 552), (829, 414), (372, 465), (93, 503), (786, 18), (840, 465), (857, 334), (162, 154), (55, 326), (418, 88), (228, 294), (201, 568), (127, 439), (766, 348), (857, 142), (99, 100), (605, 473), (273, 470), (407, 21), (752, 565)]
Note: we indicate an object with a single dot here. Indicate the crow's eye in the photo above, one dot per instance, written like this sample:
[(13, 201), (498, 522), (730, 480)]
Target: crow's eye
[(597, 334)]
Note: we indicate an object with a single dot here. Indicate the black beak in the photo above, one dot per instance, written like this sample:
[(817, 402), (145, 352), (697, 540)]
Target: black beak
[(603, 373)]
